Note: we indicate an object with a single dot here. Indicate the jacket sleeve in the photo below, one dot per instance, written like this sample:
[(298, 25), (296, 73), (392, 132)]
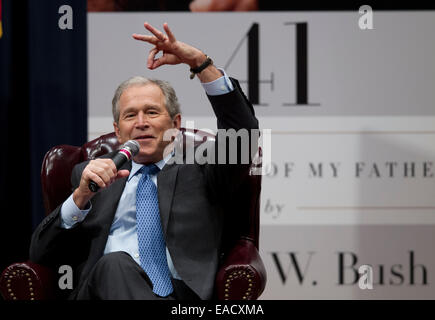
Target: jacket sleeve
[(52, 245), (237, 138)]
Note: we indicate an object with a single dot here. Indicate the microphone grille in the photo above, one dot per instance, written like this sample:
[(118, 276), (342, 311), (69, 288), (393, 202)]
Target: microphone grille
[(133, 145)]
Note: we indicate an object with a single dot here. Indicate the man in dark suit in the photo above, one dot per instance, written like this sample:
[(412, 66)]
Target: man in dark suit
[(112, 239)]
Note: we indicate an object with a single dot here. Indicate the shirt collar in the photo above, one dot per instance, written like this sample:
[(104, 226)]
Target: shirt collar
[(135, 167)]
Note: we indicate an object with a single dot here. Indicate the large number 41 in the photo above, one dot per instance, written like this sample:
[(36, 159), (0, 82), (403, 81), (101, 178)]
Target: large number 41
[(301, 61)]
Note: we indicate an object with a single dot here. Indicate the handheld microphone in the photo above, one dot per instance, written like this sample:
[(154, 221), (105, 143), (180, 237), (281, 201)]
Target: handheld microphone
[(127, 151)]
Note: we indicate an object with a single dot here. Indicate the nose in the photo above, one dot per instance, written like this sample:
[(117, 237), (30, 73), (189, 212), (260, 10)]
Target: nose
[(142, 121)]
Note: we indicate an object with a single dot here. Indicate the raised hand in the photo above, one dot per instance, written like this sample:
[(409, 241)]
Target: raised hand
[(174, 51)]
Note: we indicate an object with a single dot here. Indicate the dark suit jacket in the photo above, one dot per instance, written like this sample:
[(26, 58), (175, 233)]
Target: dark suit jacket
[(191, 201)]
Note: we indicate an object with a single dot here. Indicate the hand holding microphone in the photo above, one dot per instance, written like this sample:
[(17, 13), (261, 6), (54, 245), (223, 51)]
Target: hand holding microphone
[(127, 151), (101, 172)]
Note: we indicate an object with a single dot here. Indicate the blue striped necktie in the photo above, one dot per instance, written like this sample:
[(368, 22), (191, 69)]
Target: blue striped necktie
[(152, 247)]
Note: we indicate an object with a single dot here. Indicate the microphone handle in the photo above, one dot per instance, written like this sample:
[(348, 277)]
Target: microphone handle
[(119, 159), (93, 186)]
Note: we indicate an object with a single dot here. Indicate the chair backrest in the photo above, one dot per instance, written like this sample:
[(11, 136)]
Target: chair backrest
[(60, 160)]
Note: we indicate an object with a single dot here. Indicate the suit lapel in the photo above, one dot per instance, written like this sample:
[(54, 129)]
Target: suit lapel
[(166, 180)]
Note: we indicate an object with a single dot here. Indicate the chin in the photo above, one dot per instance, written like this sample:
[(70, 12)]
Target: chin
[(147, 156)]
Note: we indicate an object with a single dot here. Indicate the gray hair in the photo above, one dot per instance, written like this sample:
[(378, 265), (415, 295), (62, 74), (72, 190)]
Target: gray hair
[(171, 100)]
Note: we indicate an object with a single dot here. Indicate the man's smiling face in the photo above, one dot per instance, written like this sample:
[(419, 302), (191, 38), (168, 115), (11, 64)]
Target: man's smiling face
[(144, 118)]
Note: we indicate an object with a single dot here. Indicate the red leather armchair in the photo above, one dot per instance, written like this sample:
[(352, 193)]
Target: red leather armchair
[(241, 276)]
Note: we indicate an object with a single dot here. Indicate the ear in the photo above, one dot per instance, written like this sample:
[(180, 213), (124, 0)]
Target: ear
[(176, 121), (116, 129)]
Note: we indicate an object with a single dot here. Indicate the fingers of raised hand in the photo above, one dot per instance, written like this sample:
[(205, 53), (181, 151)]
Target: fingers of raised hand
[(168, 31), (158, 38), (151, 57), (146, 38), (152, 62), (157, 33)]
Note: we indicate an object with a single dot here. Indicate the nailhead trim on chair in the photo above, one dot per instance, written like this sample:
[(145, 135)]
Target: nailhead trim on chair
[(243, 274), (17, 275)]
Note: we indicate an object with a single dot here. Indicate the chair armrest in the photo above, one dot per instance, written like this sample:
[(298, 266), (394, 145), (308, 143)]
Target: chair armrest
[(27, 281), (242, 276)]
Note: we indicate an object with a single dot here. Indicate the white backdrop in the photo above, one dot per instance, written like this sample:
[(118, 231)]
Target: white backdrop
[(351, 179)]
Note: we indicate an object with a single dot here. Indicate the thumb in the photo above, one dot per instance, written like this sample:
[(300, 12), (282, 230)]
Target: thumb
[(166, 58), (122, 174)]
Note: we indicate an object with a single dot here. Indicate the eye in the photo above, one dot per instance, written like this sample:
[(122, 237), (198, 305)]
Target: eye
[(152, 113)]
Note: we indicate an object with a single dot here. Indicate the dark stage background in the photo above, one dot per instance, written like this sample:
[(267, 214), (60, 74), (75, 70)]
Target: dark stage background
[(43, 101)]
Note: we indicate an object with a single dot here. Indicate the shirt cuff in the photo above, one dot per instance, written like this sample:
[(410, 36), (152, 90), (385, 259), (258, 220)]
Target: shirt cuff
[(71, 214), (219, 86)]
